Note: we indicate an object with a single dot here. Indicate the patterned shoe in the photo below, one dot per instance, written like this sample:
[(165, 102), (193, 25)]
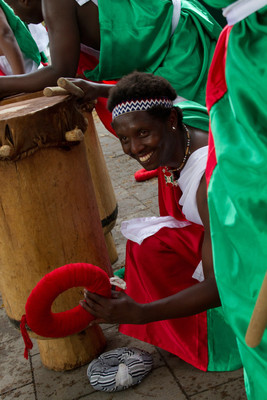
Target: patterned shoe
[(119, 369)]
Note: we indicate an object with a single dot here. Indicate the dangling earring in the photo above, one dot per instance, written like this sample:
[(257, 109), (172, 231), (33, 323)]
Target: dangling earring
[(173, 128)]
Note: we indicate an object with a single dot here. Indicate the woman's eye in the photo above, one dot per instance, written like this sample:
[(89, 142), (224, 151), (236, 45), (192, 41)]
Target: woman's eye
[(124, 139), (143, 132)]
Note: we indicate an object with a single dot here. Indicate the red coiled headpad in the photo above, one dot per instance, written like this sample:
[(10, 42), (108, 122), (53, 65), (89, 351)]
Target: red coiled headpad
[(39, 317)]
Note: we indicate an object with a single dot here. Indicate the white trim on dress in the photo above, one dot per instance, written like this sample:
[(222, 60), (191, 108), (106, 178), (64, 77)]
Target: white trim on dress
[(241, 9)]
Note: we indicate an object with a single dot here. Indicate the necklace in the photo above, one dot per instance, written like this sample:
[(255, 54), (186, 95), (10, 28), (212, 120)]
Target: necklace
[(171, 175)]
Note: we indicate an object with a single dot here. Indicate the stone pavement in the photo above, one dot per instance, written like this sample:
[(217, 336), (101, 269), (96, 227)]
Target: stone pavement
[(170, 379)]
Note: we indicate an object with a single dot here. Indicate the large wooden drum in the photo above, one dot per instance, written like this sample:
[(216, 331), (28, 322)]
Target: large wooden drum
[(49, 215), (105, 196)]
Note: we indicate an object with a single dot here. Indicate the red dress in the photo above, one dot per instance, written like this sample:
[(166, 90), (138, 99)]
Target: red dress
[(163, 265)]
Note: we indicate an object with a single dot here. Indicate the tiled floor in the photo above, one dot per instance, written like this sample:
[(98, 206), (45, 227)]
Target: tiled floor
[(170, 379)]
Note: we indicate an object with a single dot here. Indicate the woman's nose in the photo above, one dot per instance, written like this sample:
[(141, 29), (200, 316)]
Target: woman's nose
[(136, 146)]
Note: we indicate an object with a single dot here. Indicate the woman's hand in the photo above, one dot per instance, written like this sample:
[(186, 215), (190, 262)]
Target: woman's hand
[(120, 308)]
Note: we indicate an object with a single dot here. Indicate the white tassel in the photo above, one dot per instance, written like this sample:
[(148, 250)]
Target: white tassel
[(123, 378)]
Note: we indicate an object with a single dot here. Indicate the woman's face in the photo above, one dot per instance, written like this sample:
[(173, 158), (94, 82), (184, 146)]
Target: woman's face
[(144, 138)]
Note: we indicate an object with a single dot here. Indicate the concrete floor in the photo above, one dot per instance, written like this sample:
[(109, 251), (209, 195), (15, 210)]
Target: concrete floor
[(170, 378)]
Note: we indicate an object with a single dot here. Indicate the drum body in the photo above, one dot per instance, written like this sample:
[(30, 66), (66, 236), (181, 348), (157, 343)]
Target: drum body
[(49, 215), (105, 196)]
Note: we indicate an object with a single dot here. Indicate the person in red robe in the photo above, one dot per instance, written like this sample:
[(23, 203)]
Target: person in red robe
[(171, 298)]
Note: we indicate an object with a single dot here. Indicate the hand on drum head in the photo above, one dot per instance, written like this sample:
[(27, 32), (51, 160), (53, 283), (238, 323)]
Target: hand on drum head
[(120, 308)]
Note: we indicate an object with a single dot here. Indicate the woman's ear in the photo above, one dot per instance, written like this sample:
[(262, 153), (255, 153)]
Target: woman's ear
[(172, 120)]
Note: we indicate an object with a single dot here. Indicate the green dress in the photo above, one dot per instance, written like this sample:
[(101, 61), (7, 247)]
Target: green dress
[(237, 192)]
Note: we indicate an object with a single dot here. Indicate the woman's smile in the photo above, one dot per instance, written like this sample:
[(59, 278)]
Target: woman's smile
[(146, 158)]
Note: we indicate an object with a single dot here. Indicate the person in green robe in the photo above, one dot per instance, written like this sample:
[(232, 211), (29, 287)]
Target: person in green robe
[(237, 171), (174, 39)]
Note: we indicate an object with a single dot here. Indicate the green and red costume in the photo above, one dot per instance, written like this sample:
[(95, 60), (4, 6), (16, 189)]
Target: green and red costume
[(236, 173)]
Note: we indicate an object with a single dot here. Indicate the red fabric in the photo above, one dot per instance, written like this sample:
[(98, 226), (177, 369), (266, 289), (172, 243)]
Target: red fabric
[(39, 317), (88, 62), (26, 338), (216, 88), (143, 175), (211, 160), (169, 196), (2, 73), (163, 265)]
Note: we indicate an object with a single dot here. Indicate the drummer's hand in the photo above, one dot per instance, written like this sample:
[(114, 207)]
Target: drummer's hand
[(120, 308), (91, 89)]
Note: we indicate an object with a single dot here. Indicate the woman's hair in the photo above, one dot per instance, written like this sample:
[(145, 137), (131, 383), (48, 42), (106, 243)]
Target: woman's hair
[(141, 85)]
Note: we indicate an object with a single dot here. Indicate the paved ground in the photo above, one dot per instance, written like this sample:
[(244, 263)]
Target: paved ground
[(170, 378)]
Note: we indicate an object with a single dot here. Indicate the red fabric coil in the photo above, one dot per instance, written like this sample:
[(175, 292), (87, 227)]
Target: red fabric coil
[(39, 317), (143, 175)]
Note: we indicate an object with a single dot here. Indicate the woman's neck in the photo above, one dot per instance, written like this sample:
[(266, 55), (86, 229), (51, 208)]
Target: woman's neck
[(199, 138)]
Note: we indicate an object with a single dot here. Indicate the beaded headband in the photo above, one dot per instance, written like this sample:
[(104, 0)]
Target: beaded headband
[(140, 105)]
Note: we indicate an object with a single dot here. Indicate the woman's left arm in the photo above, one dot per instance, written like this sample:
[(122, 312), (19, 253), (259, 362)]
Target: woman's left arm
[(207, 259)]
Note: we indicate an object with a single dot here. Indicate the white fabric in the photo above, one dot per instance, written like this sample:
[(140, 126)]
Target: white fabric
[(241, 9), (116, 281), (175, 14), (138, 229), (30, 65), (123, 377), (82, 2), (198, 273), (178, 100), (189, 180), (40, 36)]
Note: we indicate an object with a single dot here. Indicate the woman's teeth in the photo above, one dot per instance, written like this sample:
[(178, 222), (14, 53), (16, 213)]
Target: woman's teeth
[(146, 157)]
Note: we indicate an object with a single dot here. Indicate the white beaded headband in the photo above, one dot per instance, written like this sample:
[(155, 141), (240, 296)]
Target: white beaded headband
[(140, 105)]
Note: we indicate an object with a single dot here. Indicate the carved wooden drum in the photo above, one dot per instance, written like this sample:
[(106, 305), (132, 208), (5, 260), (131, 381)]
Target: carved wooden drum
[(49, 214)]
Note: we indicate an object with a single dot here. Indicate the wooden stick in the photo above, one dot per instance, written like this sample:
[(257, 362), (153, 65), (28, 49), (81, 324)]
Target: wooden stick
[(54, 91), (258, 321), (70, 87)]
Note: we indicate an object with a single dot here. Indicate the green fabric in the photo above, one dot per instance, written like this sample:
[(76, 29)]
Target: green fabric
[(44, 59), (120, 273), (222, 345), (220, 3), (223, 354), (194, 114), (217, 14), (237, 194), (25, 40), (136, 35)]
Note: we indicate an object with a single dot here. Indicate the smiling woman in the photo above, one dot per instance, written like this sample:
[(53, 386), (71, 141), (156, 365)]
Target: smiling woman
[(168, 258)]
